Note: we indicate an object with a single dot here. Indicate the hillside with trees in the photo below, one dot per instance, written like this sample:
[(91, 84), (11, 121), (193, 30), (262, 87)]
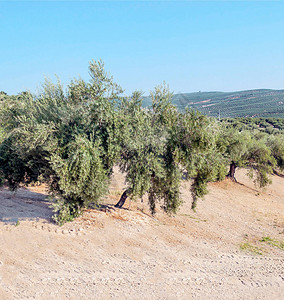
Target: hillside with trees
[(261, 103)]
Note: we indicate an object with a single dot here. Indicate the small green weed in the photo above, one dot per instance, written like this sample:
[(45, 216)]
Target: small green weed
[(251, 248), (195, 218), (17, 223), (273, 242)]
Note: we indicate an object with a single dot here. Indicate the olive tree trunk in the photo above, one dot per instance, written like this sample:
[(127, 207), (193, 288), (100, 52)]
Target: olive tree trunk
[(122, 199), (232, 171)]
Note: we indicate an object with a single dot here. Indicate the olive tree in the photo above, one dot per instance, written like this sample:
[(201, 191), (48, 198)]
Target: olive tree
[(145, 156), (250, 150), (160, 145), (69, 137)]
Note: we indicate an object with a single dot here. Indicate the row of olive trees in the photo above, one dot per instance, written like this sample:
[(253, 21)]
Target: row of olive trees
[(71, 139)]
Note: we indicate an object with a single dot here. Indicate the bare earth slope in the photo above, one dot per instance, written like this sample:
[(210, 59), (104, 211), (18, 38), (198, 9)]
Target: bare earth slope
[(127, 254)]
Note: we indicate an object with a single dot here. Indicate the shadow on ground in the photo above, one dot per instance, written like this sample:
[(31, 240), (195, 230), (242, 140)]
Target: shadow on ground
[(24, 205)]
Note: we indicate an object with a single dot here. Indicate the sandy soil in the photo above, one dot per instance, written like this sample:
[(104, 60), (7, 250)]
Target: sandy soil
[(128, 254)]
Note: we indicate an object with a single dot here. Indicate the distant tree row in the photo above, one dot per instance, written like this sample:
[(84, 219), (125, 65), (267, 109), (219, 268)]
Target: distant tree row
[(268, 125), (72, 138)]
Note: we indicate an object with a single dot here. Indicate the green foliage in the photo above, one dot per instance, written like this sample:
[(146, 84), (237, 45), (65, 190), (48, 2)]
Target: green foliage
[(260, 162), (273, 242), (12, 166), (276, 146), (69, 138), (258, 151), (82, 178), (160, 144), (146, 158), (196, 141), (72, 138), (18, 166), (267, 125), (246, 246), (66, 210)]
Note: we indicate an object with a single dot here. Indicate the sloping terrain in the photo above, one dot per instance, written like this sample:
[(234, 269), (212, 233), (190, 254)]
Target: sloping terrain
[(252, 103), (230, 248)]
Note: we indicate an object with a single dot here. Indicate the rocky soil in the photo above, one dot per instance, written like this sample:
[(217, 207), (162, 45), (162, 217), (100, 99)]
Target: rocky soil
[(230, 248)]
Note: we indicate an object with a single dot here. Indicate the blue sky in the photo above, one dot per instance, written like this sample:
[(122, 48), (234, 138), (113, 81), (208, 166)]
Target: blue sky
[(193, 46)]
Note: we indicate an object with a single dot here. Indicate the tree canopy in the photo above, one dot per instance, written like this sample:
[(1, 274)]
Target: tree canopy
[(71, 138)]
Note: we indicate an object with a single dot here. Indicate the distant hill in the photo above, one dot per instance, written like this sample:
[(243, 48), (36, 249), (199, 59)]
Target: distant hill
[(252, 103)]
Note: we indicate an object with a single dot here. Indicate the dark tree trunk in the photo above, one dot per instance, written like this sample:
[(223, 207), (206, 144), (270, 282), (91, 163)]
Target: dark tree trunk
[(232, 171), (152, 203), (194, 202), (277, 173), (122, 199)]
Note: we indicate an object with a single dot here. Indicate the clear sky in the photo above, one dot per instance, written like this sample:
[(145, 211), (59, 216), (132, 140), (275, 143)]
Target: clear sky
[(193, 46)]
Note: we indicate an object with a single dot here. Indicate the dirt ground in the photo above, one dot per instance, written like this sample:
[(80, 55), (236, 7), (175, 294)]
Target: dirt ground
[(232, 247)]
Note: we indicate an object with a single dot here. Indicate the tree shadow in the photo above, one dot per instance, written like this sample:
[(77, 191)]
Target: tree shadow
[(278, 174), (248, 187), (24, 205)]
